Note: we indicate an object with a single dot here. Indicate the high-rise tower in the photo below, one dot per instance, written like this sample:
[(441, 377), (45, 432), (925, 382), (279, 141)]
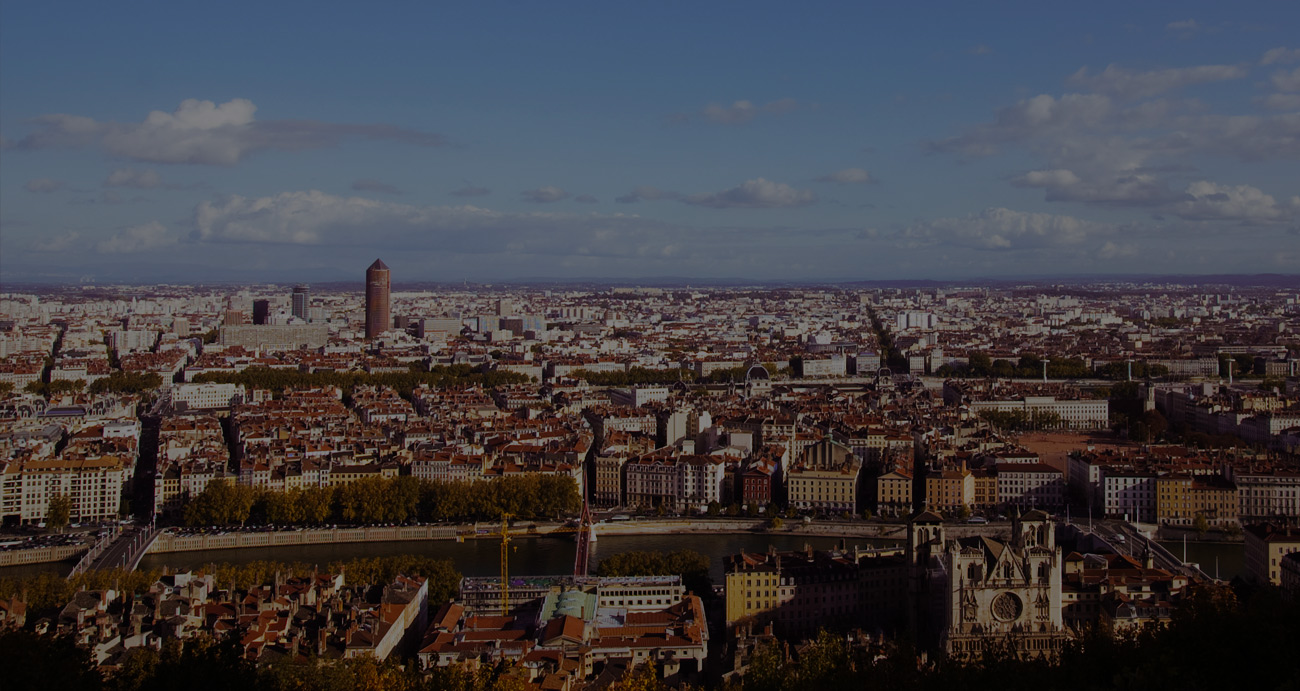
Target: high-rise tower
[(378, 319), (261, 312), (302, 302)]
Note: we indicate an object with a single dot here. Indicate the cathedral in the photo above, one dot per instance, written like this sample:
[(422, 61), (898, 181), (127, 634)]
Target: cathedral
[(974, 592)]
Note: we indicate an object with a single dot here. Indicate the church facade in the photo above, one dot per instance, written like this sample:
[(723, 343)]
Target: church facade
[(975, 592)]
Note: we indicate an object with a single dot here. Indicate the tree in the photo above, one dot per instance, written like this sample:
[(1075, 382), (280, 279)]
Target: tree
[(283, 508), (59, 512), (127, 382), (1201, 524), (692, 566), (1155, 424), (30, 661), (221, 503)]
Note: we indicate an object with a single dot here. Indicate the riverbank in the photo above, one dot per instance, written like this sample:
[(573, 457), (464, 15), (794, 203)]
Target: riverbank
[(40, 555), (1171, 532)]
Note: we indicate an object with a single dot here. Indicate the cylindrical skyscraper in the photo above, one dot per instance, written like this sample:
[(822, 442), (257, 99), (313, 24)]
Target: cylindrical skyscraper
[(378, 319)]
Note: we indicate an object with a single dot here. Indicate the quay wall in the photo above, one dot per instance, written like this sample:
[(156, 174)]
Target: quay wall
[(40, 555)]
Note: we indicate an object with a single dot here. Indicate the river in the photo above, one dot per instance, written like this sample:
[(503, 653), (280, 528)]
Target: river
[(546, 555), (528, 556), (1217, 559)]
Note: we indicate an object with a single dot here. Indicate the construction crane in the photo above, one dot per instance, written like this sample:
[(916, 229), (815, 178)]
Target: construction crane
[(581, 557)]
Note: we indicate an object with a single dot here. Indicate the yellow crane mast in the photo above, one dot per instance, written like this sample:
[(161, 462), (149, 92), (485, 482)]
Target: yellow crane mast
[(583, 527)]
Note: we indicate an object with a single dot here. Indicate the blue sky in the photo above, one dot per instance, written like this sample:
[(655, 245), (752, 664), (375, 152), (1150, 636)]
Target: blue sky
[(494, 141)]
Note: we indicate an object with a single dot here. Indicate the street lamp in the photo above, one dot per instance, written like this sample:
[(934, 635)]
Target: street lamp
[(1045, 361)]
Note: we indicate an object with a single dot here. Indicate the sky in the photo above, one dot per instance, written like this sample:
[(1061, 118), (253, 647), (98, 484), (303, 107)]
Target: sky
[(705, 140)]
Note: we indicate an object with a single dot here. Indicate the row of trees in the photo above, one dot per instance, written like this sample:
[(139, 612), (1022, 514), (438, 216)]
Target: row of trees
[(890, 354), (404, 382), (640, 376), (116, 382), (1030, 366), (386, 500), (1021, 420), (692, 566), (635, 376)]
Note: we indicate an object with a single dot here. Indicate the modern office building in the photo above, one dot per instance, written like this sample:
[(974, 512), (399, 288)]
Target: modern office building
[(378, 318), (261, 312), (302, 302)]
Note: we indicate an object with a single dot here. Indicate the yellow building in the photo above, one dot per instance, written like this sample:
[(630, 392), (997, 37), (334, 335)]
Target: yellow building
[(825, 478), (949, 490), (986, 489), (804, 591), (894, 493), (1181, 498), (348, 474)]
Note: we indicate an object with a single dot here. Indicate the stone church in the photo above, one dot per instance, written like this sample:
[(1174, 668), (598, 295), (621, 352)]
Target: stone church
[(973, 592)]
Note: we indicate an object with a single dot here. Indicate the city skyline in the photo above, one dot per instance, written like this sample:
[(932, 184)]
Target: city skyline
[(496, 144)]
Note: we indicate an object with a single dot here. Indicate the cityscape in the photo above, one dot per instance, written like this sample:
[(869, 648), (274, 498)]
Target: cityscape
[(630, 347), (962, 467)]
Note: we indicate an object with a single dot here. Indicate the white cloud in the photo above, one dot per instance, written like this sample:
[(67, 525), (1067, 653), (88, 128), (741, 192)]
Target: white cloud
[(1286, 81), (203, 132), (141, 238), (1209, 201), (44, 185), (316, 218), (471, 191), (1185, 28), (740, 112), (1280, 56), (138, 179), (647, 193), (1113, 250), (1127, 84), (586, 199), (545, 194), (1129, 187), (327, 225), (370, 185), (1033, 117), (1281, 101), (1247, 137), (1005, 229), (58, 243), (848, 176), (755, 194)]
